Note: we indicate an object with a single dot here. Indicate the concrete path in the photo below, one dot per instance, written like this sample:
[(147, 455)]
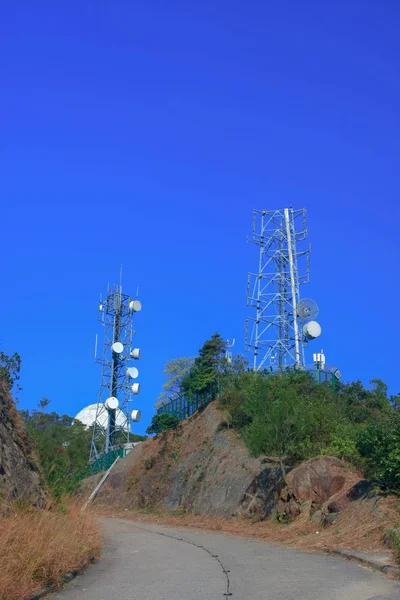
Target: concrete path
[(147, 562)]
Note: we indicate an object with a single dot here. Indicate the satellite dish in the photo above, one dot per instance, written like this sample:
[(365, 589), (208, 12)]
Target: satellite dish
[(136, 388), (97, 413), (112, 403), (307, 309), (136, 416), (312, 330), (101, 307), (135, 353), (117, 347), (132, 372), (135, 306)]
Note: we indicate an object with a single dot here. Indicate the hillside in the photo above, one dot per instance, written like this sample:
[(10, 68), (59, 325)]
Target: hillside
[(19, 472), (203, 467)]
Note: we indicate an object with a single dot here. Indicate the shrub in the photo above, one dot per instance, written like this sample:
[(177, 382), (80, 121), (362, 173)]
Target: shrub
[(380, 445), (394, 540), (163, 422)]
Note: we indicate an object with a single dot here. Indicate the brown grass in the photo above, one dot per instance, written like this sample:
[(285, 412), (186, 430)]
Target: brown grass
[(38, 547)]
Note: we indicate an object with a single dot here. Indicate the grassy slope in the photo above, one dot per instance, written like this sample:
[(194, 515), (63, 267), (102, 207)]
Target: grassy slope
[(38, 547)]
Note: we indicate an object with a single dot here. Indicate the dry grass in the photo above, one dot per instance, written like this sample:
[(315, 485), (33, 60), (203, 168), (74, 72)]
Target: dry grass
[(360, 526), (38, 547)]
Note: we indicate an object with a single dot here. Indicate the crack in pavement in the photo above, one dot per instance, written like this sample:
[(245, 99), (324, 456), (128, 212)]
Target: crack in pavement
[(215, 556)]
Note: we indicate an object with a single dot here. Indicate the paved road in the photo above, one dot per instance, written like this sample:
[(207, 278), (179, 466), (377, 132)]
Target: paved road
[(146, 562)]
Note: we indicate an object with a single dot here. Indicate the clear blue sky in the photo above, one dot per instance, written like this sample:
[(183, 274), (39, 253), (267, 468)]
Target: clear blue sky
[(144, 133)]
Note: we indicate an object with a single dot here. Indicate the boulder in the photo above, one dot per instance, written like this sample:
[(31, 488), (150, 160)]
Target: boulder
[(316, 481)]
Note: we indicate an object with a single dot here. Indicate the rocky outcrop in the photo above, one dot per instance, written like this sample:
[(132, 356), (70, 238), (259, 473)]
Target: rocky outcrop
[(204, 468), (322, 486), (19, 473)]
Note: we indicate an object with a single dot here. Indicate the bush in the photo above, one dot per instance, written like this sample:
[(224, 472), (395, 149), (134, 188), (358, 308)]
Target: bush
[(394, 541), (380, 445), (163, 422), (288, 415), (343, 448), (343, 444), (234, 401)]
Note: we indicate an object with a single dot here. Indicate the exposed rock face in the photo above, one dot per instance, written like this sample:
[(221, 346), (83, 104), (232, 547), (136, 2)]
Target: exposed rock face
[(319, 484), (19, 473), (204, 468)]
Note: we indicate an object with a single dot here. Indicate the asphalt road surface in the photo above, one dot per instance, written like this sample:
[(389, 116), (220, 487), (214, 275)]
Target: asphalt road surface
[(150, 562)]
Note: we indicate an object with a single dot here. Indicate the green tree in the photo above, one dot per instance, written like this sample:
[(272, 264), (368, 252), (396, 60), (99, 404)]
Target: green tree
[(361, 405), (379, 444), (205, 373), (175, 371), (163, 422), (292, 416), (10, 366), (62, 444)]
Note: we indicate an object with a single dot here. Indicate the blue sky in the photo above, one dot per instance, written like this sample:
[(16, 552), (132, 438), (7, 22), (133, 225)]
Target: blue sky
[(144, 134)]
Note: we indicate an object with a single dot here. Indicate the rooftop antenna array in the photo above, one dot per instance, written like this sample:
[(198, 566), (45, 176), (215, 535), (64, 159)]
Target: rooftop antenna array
[(282, 324), (118, 384)]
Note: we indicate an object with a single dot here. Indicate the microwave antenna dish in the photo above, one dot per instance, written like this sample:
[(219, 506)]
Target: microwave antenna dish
[(307, 310)]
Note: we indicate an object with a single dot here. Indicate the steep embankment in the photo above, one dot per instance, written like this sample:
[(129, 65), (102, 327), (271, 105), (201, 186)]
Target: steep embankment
[(19, 473), (203, 467)]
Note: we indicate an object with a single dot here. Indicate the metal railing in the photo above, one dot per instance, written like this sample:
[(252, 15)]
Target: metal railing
[(183, 408), (104, 462)]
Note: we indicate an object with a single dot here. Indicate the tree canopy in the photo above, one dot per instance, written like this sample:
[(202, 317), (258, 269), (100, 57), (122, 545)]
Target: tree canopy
[(207, 367), (175, 371)]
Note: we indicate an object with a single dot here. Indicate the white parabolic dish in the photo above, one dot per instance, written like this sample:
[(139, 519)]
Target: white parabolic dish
[(117, 347), (132, 372), (112, 403), (87, 416), (135, 306), (312, 330), (136, 416)]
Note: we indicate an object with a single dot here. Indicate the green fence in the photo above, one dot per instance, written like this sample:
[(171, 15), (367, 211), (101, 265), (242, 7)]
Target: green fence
[(183, 408), (104, 462)]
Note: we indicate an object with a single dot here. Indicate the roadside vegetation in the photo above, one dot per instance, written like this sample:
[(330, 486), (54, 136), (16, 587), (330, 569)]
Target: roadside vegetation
[(38, 547)]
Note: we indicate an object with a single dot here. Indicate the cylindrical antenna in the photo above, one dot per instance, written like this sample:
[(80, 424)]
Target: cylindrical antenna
[(95, 347)]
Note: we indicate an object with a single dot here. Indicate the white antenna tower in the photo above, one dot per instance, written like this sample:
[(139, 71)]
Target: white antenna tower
[(111, 427), (228, 353), (281, 326)]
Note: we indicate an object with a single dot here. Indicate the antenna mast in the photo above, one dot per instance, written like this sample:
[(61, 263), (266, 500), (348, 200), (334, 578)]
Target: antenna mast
[(111, 428), (273, 334)]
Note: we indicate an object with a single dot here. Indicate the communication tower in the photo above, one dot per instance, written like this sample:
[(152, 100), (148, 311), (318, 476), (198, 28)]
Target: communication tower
[(113, 418), (283, 324), (228, 351)]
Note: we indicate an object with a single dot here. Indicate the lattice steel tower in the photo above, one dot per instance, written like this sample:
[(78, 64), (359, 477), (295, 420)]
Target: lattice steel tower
[(113, 419), (275, 334)]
